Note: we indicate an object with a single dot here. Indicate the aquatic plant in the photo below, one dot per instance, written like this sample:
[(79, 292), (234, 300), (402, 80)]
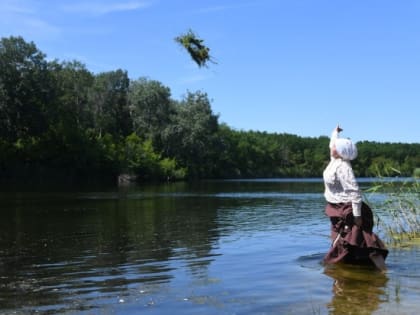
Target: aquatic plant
[(401, 207)]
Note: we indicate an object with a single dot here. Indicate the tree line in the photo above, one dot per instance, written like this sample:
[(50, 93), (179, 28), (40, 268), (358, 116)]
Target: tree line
[(59, 120)]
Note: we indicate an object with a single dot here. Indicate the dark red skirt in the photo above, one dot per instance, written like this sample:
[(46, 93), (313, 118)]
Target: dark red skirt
[(350, 243)]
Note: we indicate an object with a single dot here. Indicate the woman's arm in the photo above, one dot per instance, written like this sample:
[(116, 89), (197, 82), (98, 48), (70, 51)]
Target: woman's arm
[(334, 135), (350, 187)]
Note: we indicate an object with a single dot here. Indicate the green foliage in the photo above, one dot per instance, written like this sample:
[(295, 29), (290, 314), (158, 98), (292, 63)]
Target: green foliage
[(169, 170), (192, 137), (402, 210), (380, 158), (24, 89), (60, 118), (109, 150), (151, 109), (140, 159), (416, 172), (260, 154), (109, 103), (71, 85), (195, 47)]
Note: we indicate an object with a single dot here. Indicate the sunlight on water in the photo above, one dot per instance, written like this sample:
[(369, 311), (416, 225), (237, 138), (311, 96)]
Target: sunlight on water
[(230, 247)]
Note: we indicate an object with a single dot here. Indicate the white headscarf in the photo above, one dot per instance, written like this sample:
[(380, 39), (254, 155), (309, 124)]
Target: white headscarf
[(346, 148)]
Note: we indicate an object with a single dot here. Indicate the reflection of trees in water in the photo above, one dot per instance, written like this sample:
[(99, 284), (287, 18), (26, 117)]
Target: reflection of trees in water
[(58, 252), (63, 250), (356, 289)]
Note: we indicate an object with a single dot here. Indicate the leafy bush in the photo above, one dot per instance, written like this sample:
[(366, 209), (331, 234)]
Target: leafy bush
[(139, 158), (170, 171)]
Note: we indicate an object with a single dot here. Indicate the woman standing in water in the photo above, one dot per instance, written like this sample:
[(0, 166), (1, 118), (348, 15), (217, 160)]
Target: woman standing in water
[(351, 219)]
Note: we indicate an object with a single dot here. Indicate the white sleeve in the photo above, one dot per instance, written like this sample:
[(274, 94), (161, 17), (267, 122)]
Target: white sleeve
[(351, 188), (357, 208), (334, 136)]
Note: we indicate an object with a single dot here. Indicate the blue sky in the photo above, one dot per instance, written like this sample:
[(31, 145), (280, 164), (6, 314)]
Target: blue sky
[(285, 66)]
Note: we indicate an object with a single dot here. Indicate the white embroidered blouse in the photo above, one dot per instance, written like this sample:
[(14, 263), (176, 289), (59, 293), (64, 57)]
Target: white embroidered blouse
[(340, 183)]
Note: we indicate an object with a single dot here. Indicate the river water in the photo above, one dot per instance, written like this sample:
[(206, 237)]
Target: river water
[(212, 247)]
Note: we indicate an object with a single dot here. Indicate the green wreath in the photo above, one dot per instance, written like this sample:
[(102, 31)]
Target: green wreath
[(195, 47)]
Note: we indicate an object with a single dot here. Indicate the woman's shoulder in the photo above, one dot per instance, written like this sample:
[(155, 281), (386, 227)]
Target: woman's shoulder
[(343, 164)]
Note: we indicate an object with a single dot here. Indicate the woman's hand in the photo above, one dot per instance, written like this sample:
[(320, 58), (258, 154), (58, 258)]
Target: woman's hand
[(358, 221)]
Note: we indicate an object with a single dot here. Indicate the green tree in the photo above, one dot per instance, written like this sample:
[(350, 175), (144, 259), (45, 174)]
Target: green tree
[(23, 89), (140, 158), (72, 85), (109, 103), (192, 137), (151, 109)]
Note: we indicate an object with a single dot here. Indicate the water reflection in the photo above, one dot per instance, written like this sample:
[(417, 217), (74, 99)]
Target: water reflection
[(356, 289), (60, 249), (190, 248)]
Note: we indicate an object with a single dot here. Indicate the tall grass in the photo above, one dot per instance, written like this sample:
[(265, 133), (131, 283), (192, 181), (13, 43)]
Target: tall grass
[(401, 206)]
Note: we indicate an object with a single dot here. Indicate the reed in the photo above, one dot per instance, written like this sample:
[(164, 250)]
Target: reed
[(401, 208)]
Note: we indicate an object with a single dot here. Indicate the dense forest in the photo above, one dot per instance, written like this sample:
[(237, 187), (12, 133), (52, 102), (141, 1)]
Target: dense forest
[(58, 120)]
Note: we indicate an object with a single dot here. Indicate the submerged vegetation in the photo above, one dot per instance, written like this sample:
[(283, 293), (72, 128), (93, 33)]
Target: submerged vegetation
[(60, 121)]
